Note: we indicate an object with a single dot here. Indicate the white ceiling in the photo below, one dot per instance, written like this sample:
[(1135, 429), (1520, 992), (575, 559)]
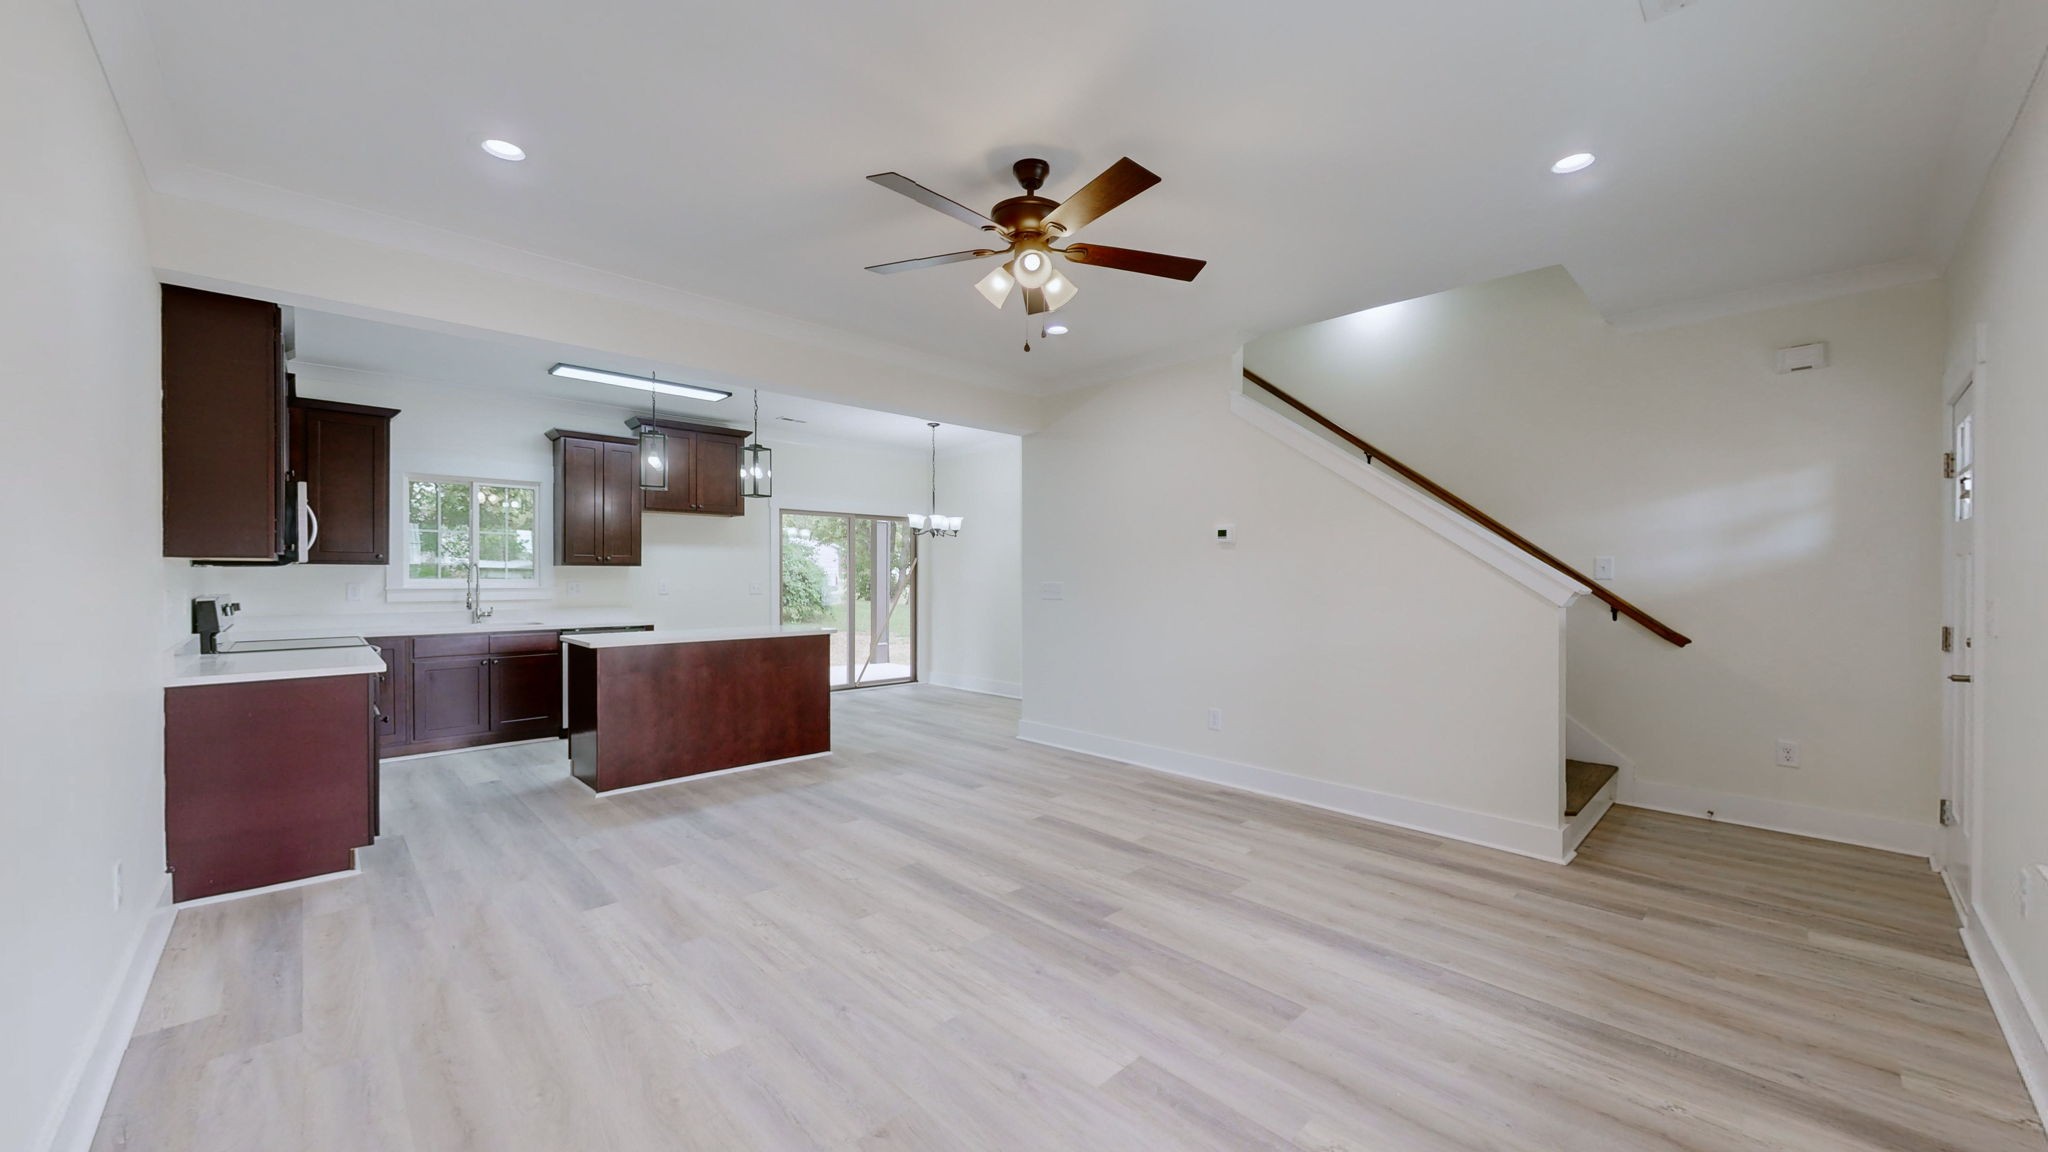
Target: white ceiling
[(519, 368), (1323, 157)]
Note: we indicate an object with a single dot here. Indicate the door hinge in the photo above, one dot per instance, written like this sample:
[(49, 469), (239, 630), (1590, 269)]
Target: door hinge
[(1948, 638), (1948, 813), (1948, 465)]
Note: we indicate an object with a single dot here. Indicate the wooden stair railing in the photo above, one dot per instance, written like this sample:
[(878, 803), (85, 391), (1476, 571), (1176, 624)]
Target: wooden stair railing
[(1618, 606)]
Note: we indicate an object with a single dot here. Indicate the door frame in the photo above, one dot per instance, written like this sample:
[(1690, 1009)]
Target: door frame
[(1959, 848), (915, 607)]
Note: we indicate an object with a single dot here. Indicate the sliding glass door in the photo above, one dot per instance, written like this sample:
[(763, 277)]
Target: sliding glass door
[(856, 575)]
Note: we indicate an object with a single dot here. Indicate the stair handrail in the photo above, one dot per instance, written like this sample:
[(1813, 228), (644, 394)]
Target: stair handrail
[(1616, 604)]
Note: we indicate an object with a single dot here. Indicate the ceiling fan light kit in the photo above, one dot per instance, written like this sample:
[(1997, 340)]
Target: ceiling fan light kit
[(1031, 223)]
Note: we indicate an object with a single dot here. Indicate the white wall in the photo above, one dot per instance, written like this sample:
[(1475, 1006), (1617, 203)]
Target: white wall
[(977, 613), (1344, 643), (1786, 523), (79, 466), (717, 571), (2000, 281)]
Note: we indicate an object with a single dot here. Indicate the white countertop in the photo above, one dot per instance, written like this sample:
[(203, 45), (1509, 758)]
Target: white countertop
[(510, 617), (693, 636), (190, 668)]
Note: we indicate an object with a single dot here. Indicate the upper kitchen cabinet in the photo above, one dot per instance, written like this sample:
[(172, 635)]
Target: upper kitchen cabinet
[(225, 442), (597, 498), (704, 469), (343, 453)]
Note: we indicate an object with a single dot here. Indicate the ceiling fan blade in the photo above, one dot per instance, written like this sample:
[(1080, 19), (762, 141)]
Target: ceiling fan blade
[(1034, 302), (897, 182), (1132, 260), (1121, 181), (931, 261)]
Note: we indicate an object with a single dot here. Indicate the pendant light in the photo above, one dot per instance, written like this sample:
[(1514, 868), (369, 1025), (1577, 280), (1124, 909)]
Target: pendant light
[(757, 464), (931, 523), (653, 445)]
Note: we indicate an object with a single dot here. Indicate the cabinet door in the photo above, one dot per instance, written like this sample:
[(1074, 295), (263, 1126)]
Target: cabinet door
[(717, 467), (393, 701), (526, 695), (680, 495), (345, 459), (579, 501), (451, 696), (224, 426), (620, 540)]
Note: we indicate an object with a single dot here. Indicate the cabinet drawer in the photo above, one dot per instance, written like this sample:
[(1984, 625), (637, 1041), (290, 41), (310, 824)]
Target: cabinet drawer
[(461, 644), (514, 643)]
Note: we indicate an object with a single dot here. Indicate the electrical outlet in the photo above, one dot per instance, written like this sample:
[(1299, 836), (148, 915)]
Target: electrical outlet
[(353, 592), (661, 587), (117, 886), (1603, 568), (1788, 754), (575, 587), (1215, 718), (1052, 590), (757, 587)]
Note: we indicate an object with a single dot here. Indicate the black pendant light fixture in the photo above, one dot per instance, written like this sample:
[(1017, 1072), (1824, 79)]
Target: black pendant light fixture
[(653, 445), (757, 464)]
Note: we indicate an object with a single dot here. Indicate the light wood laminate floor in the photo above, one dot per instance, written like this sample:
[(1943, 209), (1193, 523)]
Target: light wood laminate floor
[(941, 938)]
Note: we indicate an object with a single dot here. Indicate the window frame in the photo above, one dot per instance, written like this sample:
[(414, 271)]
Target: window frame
[(406, 581)]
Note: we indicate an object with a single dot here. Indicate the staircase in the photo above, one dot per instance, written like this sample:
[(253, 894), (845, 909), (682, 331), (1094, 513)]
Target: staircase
[(1588, 793)]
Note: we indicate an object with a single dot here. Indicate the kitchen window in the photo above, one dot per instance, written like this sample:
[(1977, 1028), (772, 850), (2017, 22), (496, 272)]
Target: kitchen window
[(450, 521)]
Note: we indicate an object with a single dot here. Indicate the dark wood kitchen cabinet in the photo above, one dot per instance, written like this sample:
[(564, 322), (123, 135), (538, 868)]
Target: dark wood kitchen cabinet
[(597, 499), (225, 443), (266, 782), (468, 689), (704, 469), (343, 453)]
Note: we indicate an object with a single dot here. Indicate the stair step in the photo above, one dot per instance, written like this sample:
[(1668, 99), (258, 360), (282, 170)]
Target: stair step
[(1582, 782)]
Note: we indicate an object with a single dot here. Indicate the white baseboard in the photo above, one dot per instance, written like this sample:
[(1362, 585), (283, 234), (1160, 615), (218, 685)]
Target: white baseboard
[(1881, 832), (1579, 827), (1541, 841), (2019, 1015), (983, 685), (74, 1127), (1582, 743)]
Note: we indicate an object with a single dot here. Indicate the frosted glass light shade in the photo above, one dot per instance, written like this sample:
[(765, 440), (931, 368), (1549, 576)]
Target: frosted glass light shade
[(757, 471), (1058, 291), (653, 459), (995, 287)]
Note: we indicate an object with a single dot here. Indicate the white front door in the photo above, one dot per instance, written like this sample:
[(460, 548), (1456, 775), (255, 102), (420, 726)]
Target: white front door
[(1958, 785)]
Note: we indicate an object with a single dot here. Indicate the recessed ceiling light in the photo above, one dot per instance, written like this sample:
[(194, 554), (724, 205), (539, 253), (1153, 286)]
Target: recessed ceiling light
[(643, 383), (1576, 162), (1055, 329), (504, 150)]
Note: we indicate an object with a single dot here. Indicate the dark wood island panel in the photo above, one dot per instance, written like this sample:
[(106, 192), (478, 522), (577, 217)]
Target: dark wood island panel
[(266, 782), (649, 712)]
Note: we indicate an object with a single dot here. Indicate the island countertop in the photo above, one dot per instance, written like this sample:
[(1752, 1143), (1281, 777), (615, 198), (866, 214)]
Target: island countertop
[(688, 636), (190, 668)]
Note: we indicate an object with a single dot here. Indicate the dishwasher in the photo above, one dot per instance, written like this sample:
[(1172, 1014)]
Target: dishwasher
[(568, 632)]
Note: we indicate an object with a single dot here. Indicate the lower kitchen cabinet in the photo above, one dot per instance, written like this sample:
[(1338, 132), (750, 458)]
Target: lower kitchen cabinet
[(267, 781), (469, 689)]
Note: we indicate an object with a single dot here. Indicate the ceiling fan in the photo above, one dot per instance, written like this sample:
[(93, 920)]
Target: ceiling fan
[(1031, 223)]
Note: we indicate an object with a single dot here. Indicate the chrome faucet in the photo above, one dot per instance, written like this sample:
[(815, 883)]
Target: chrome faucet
[(473, 598)]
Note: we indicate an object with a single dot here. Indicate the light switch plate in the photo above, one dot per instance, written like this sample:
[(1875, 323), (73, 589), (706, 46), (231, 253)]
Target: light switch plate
[(1215, 719), (1052, 590), (757, 587), (1603, 568), (353, 591), (661, 587)]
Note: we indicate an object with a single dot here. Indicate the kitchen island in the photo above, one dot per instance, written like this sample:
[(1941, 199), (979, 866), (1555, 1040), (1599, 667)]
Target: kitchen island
[(650, 707)]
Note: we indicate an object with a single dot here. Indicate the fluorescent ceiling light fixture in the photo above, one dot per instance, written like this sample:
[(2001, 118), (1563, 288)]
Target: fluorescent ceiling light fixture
[(1576, 162), (640, 383), (504, 150)]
